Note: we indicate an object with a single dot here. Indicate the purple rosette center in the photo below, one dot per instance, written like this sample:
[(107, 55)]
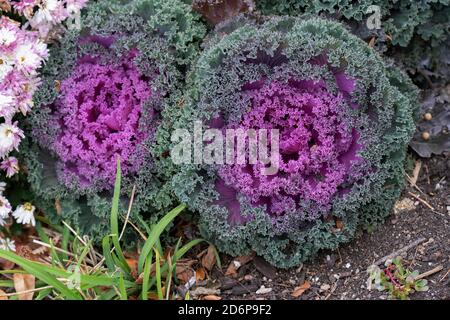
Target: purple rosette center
[(318, 145), (98, 115)]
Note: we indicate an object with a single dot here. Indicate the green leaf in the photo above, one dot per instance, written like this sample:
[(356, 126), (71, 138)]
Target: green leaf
[(155, 234), (115, 220), (106, 245), (145, 281), (158, 275), (122, 289), (43, 294), (6, 283), (40, 272)]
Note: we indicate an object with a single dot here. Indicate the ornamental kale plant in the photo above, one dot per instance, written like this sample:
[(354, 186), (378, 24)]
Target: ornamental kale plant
[(103, 92), (344, 116), (401, 19)]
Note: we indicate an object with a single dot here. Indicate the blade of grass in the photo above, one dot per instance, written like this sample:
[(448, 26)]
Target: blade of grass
[(158, 275), (122, 289), (107, 254), (145, 281), (65, 242), (115, 220), (6, 283), (178, 255), (39, 271), (155, 234), (43, 294)]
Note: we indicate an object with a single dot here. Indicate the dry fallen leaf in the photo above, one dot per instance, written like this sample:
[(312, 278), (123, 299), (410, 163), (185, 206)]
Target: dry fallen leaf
[(24, 282), (209, 259), (58, 207), (5, 5), (265, 268), (236, 264), (372, 42), (154, 296), (339, 224), (212, 297), (184, 273), (301, 289), (133, 264), (200, 274), (202, 291), (6, 264), (3, 295)]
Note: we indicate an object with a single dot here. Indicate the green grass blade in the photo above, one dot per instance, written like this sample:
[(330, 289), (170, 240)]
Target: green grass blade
[(106, 245), (177, 255), (6, 283), (115, 220), (40, 272), (122, 289), (145, 281), (155, 234), (158, 275), (65, 242), (43, 294)]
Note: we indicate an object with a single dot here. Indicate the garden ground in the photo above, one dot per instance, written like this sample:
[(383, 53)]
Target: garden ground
[(419, 228)]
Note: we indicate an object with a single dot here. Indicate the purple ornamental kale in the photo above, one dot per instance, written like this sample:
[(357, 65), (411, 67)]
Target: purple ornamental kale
[(344, 118), (317, 147), (98, 116)]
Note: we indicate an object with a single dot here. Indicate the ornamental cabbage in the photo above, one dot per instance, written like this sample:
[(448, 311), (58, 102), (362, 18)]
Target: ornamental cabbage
[(401, 19), (344, 116), (103, 93)]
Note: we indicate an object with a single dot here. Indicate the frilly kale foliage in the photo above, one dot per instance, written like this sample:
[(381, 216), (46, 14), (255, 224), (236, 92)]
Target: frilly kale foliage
[(103, 93), (402, 19), (345, 118)]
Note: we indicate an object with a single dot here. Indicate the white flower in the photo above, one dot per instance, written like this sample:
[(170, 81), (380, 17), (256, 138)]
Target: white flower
[(26, 58), (7, 244), (5, 207), (10, 136), (2, 222), (7, 105), (7, 37), (6, 65), (41, 49), (44, 14), (24, 214)]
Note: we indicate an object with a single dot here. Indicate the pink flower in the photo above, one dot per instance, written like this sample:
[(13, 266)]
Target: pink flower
[(25, 7), (7, 105), (11, 166)]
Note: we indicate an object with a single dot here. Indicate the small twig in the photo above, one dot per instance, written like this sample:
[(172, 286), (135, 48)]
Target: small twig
[(399, 252), (429, 273), (414, 185), (428, 174), (340, 257), (74, 232), (137, 230), (54, 247), (26, 291), (79, 238), (333, 289), (414, 259), (128, 213), (445, 276), (415, 196), (416, 172), (60, 250)]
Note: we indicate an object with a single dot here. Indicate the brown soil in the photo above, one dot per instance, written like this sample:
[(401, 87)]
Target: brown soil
[(342, 274)]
